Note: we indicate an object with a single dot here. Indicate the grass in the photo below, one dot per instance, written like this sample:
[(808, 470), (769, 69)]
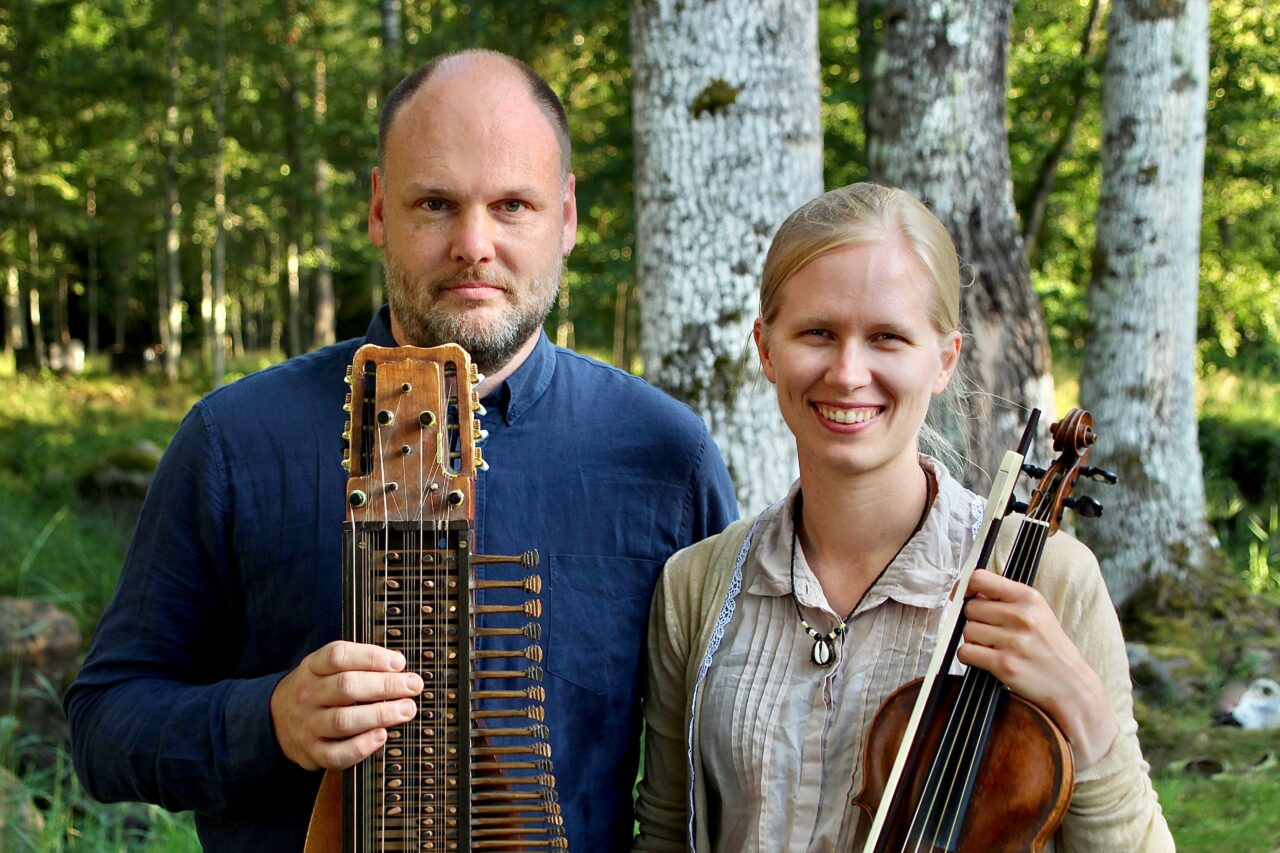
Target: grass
[(58, 546)]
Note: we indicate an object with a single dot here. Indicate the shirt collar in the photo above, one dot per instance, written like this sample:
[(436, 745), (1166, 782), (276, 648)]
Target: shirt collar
[(379, 332), (922, 574), (526, 384), (516, 395)]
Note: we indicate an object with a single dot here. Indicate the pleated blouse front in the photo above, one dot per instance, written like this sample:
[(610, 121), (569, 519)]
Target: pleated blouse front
[(770, 713)]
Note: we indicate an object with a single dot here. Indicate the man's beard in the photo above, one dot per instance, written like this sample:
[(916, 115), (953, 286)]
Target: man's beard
[(491, 343)]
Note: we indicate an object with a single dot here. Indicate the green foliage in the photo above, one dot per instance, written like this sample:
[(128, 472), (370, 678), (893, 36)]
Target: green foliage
[(54, 545), (45, 809), (1237, 805)]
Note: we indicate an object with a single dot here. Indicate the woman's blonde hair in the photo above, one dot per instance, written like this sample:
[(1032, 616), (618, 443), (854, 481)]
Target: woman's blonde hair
[(866, 214)]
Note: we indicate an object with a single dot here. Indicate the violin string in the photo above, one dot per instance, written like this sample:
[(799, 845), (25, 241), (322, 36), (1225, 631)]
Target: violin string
[(932, 794), (974, 704)]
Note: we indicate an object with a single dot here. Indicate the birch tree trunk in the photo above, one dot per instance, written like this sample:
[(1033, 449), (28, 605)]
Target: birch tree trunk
[(33, 287), (292, 283), (171, 318), (220, 205), (936, 128), (1139, 362), (15, 333), (728, 141), (324, 330)]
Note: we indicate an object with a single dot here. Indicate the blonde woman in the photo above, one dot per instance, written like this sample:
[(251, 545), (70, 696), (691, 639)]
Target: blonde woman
[(772, 644)]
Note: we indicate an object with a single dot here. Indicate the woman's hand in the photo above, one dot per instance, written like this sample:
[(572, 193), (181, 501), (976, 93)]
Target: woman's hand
[(1012, 633)]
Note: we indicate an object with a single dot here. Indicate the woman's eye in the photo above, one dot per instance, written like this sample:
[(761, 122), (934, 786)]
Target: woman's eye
[(817, 333)]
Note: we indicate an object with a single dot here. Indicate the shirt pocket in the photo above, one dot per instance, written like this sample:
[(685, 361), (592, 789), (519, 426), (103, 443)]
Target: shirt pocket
[(597, 611)]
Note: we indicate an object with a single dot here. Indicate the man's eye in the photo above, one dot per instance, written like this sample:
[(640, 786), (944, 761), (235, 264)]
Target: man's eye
[(817, 333), (434, 204), (513, 206)]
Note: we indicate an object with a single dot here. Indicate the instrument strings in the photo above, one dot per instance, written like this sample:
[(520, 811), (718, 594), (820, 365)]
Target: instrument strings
[(940, 811)]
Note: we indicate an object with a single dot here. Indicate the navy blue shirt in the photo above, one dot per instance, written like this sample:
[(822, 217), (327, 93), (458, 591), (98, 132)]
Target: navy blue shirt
[(233, 576)]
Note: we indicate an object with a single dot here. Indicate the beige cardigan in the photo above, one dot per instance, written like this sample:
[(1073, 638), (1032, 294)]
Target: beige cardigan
[(1113, 807)]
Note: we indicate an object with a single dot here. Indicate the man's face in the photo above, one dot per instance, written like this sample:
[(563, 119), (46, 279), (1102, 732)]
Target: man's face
[(473, 214)]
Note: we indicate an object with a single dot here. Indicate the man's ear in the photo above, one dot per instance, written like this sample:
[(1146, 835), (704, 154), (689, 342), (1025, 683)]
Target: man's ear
[(377, 225), (569, 237)]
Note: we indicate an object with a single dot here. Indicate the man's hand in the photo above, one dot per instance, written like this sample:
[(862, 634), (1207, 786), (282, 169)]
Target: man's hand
[(333, 711)]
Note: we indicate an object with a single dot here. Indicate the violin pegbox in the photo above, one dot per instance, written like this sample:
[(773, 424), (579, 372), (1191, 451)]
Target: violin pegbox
[(410, 443), (1073, 437)]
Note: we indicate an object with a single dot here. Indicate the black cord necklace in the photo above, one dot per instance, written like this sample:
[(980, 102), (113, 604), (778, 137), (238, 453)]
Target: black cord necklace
[(824, 645)]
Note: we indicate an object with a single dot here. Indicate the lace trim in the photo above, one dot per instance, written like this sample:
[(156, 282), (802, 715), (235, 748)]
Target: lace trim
[(717, 636)]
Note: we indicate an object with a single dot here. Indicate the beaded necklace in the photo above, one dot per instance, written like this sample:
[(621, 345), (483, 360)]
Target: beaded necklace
[(824, 645)]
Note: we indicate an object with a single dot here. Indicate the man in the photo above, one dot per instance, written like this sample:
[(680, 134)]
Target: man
[(213, 680)]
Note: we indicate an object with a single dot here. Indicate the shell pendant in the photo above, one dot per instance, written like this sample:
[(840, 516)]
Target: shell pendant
[(824, 651)]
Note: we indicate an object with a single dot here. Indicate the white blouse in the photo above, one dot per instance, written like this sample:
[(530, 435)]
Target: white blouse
[(769, 712)]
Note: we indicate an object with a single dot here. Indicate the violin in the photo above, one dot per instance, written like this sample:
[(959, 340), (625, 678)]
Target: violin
[(960, 763)]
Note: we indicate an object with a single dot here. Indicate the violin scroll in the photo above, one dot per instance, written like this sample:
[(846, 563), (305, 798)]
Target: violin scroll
[(1073, 436)]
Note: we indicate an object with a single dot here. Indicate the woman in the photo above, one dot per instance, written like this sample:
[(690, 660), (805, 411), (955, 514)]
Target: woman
[(772, 644)]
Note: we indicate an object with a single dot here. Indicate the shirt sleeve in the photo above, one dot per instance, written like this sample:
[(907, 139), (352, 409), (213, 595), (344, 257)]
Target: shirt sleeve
[(1113, 806), (711, 504), (662, 805), (155, 713)]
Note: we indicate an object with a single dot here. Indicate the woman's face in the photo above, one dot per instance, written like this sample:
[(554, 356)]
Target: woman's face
[(855, 358)]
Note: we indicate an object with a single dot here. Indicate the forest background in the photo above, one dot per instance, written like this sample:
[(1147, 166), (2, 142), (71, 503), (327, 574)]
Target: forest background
[(131, 129)]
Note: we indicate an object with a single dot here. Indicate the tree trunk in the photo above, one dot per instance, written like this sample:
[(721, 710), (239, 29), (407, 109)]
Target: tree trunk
[(728, 141), (1138, 373), (33, 284), (324, 331), (220, 206), (937, 129), (620, 296), (293, 216), (172, 316), (390, 15), (15, 337), (91, 208)]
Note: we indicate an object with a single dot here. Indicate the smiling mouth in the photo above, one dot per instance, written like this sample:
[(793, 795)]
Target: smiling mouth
[(847, 416)]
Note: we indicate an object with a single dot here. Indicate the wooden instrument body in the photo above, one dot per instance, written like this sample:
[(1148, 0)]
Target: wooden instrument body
[(472, 770), (959, 762), (1023, 744)]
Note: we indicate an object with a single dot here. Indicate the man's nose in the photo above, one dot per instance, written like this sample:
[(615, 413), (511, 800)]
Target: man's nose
[(471, 238)]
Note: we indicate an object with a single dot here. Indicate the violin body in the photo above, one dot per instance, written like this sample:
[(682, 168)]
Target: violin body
[(1024, 780)]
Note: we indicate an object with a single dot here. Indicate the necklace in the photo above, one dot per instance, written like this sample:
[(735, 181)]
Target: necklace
[(824, 645)]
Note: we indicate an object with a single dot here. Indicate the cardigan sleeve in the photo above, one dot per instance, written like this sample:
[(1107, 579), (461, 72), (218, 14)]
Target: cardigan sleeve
[(1113, 806), (662, 806)]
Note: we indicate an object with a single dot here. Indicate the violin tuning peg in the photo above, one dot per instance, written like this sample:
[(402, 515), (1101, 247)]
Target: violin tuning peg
[(1085, 506), (1016, 505), (1099, 475), (1033, 471)]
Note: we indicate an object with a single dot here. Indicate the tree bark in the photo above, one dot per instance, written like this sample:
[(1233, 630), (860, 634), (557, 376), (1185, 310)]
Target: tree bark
[(937, 130), (1138, 374), (293, 216), (325, 330), (33, 284), (728, 141), (91, 209), (171, 319), (220, 205)]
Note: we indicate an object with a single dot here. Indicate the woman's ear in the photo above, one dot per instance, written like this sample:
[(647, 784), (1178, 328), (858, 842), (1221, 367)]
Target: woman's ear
[(760, 334), (951, 345)]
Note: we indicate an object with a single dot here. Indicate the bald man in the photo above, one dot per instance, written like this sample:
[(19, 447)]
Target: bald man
[(215, 678)]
